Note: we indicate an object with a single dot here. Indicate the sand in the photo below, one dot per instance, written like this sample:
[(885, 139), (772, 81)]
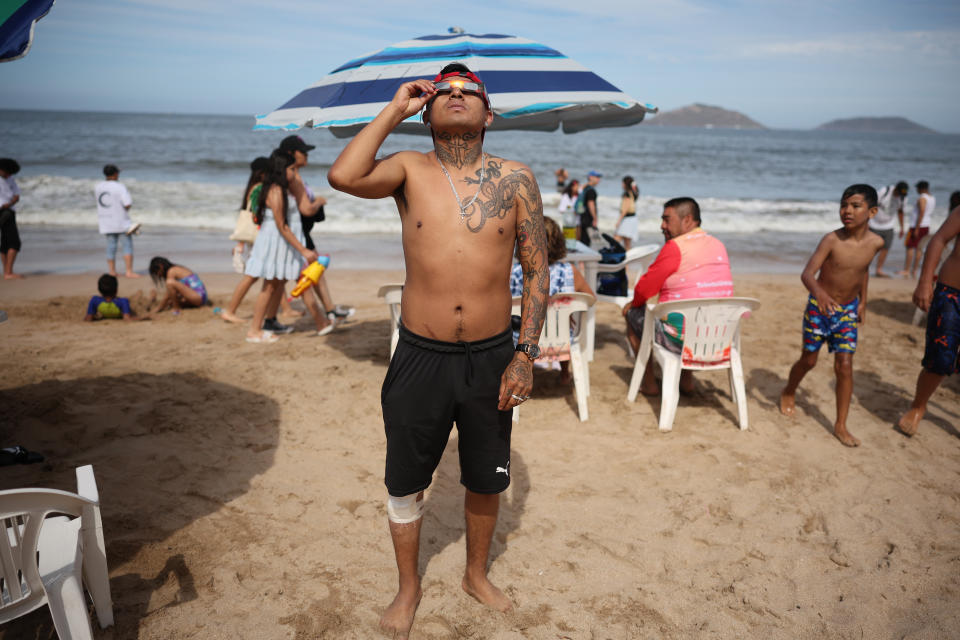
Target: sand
[(243, 497)]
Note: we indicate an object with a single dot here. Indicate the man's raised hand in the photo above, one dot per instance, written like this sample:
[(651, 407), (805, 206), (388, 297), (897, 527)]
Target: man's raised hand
[(412, 96)]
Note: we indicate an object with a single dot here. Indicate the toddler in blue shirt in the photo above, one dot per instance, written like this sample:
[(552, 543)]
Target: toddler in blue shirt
[(107, 305)]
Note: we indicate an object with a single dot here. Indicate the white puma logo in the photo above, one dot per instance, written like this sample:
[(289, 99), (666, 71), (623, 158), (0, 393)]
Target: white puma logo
[(505, 471)]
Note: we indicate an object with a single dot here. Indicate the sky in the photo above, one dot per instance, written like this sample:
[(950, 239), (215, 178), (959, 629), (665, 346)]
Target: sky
[(787, 64)]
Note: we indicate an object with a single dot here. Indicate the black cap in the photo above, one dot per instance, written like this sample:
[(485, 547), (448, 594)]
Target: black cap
[(923, 184), (110, 170), (295, 143)]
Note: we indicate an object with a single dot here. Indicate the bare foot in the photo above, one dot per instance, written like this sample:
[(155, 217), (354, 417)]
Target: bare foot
[(12, 276), (229, 317), (910, 421), (845, 436), (398, 618), (651, 390), (131, 274), (486, 593), (882, 274), (787, 405)]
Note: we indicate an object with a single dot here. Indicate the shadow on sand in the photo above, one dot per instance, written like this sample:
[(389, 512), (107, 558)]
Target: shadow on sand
[(137, 431), (901, 310)]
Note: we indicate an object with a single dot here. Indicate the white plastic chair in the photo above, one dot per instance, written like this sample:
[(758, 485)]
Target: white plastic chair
[(391, 294), (557, 344), (48, 560), (640, 257), (711, 340), (636, 257)]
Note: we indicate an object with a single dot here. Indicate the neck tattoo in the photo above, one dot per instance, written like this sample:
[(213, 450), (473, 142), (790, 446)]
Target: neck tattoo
[(464, 207)]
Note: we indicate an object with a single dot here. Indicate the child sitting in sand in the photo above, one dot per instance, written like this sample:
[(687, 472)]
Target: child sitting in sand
[(181, 286), (107, 306), (838, 301), (941, 357)]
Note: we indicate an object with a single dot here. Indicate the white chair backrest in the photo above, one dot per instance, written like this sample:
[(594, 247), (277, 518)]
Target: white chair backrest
[(644, 254), (22, 512), (710, 327), (555, 337), (391, 294)]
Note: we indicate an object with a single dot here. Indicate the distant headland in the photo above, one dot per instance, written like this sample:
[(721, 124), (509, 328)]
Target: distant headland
[(704, 116), (890, 124)]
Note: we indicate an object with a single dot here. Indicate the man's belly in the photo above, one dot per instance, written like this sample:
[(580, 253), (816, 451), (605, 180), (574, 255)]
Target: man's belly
[(457, 315)]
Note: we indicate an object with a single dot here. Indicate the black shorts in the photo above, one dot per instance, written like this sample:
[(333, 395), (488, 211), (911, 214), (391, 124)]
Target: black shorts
[(431, 384), (9, 235)]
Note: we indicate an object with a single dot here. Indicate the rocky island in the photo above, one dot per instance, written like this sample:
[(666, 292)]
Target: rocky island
[(890, 124), (704, 116)]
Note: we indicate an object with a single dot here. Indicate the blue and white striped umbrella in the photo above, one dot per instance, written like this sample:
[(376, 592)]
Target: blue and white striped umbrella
[(530, 85)]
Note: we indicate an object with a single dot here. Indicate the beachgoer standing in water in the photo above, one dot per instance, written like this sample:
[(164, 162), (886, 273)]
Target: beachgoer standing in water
[(462, 211)]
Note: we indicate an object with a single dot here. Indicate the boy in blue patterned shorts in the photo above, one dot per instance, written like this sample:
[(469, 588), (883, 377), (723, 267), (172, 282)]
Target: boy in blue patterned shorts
[(838, 301), (941, 357)]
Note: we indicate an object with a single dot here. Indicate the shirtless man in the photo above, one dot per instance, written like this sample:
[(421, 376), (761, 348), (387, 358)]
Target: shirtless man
[(462, 212), (836, 277), (941, 357)]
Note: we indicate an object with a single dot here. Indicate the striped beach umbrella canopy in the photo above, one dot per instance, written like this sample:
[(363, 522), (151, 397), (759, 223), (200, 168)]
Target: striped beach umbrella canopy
[(530, 86), (17, 19)]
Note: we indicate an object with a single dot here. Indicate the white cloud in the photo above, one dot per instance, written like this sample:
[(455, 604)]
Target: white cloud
[(935, 44)]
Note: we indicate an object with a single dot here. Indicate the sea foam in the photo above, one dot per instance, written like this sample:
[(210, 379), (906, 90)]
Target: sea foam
[(68, 202)]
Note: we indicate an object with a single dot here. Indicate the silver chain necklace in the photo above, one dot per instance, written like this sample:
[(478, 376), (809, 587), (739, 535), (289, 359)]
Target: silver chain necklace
[(463, 208)]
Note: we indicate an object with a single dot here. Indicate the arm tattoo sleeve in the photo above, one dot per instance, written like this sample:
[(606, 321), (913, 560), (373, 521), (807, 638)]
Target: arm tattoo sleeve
[(532, 243)]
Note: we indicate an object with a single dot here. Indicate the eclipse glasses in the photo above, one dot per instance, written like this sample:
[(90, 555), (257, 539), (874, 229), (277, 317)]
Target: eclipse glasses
[(465, 86)]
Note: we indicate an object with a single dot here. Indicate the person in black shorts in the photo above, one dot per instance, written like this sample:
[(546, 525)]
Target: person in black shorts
[(430, 385), (939, 295), (9, 234), (462, 212)]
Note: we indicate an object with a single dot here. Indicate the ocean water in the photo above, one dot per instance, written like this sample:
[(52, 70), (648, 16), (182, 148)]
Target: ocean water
[(767, 194)]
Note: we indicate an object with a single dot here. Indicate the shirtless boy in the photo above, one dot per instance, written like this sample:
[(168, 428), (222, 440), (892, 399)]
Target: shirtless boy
[(838, 301), (462, 211), (942, 304)]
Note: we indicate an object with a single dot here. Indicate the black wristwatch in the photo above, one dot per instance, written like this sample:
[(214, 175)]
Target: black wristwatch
[(532, 351)]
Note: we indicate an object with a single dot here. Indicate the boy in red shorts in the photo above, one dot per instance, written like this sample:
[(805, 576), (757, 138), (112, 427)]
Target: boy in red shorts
[(941, 357), (838, 301)]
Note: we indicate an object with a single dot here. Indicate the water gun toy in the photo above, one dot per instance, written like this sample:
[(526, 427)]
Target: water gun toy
[(311, 275)]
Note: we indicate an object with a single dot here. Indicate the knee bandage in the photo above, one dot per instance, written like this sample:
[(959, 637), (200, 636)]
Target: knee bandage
[(406, 509)]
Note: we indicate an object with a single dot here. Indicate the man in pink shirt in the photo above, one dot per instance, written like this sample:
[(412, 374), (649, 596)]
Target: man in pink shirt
[(692, 264)]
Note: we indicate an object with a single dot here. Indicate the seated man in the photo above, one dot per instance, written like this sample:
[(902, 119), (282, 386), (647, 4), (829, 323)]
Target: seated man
[(692, 264)]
